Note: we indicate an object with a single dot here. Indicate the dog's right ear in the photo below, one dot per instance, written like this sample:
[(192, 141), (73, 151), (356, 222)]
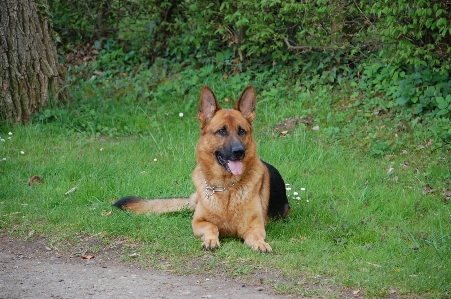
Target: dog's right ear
[(208, 106)]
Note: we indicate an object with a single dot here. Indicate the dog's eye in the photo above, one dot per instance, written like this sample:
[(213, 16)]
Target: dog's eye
[(222, 132), (241, 131)]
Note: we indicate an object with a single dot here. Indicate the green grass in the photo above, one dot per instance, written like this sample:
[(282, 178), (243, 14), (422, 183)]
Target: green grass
[(352, 222)]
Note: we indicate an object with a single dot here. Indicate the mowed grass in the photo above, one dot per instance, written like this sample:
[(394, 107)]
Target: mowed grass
[(366, 223)]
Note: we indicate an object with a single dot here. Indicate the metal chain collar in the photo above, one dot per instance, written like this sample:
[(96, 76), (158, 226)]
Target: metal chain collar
[(209, 190)]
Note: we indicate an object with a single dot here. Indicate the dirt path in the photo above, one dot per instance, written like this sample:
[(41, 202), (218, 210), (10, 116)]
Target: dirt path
[(30, 270)]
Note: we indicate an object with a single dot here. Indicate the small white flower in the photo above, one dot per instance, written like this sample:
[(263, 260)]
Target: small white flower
[(288, 188), (181, 114), (302, 189), (298, 198), (155, 160), (4, 159), (101, 149), (307, 201), (22, 152), (2, 140), (295, 193), (10, 133)]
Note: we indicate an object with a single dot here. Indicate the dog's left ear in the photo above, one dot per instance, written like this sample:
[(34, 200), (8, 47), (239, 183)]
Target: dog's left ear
[(246, 103)]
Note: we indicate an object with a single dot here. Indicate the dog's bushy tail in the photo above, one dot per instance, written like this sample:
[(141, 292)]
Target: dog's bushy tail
[(139, 205)]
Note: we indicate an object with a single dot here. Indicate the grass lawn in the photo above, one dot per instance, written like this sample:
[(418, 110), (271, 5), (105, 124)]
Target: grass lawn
[(376, 223)]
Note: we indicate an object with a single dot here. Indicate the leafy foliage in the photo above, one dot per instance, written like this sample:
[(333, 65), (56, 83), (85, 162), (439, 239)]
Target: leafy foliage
[(399, 53), (367, 82)]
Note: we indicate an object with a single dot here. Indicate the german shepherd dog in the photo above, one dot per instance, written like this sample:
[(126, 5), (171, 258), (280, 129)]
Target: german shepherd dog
[(236, 192)]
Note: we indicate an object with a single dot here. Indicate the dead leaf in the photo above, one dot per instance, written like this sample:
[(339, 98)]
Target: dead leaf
[(390, 170), (34, 179), (428, 189), (447, 194), (105, 213), (87, 257), (70, 191), (356, 292)]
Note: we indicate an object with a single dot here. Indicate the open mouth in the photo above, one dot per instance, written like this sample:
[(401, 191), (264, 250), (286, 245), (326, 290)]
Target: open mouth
[(233, 166)]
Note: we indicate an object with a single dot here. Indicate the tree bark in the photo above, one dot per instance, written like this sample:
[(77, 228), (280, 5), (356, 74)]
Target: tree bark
[(336, 22), (30, 73)]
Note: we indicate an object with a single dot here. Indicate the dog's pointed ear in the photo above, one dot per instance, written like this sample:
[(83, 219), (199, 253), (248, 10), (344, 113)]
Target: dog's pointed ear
[(246, 103), (208, 106)]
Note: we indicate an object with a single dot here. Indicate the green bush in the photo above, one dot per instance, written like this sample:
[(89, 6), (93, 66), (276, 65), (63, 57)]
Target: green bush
[(399, 53)]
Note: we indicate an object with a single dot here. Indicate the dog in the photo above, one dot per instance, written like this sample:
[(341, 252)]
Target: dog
[(237, 193)]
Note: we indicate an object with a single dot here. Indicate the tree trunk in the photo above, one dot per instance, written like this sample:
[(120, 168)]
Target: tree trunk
[(336, 22), (30, 72)]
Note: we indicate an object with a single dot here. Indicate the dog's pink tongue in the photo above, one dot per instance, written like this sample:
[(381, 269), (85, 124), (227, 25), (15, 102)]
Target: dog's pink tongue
[(236, 167)]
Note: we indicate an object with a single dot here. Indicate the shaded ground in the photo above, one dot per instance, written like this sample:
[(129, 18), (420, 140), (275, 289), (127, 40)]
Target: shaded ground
[(32, 270)]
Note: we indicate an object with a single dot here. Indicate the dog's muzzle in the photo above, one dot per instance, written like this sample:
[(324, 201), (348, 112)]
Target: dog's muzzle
[(231, 160)]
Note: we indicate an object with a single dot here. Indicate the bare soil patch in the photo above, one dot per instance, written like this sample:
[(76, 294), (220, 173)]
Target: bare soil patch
[(33, 270)]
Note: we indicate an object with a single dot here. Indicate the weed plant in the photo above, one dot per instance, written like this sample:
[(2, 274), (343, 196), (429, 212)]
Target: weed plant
[(370, 199)]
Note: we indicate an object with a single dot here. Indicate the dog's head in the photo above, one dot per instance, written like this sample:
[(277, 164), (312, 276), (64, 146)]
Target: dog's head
[(226, 134)]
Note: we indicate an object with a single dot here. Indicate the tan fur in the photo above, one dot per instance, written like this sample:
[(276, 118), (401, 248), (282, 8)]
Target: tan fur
[(158, 206), (241, 209)]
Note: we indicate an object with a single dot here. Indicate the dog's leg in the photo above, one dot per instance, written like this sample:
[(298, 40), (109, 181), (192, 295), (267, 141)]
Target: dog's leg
[(255, 238), (207, 232)]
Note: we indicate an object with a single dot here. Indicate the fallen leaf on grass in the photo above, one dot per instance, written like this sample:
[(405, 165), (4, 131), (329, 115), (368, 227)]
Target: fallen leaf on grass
[(390, 170), (36, 179), (428, 189), (70, 191), (87, 257), (105, 213), (447, 194)]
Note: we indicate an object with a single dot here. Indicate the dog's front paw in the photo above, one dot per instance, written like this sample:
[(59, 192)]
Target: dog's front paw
[(210, 244), (258, 245), (262, 247)]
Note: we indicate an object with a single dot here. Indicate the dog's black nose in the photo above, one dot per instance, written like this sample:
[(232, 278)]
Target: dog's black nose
[(238, 152)]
